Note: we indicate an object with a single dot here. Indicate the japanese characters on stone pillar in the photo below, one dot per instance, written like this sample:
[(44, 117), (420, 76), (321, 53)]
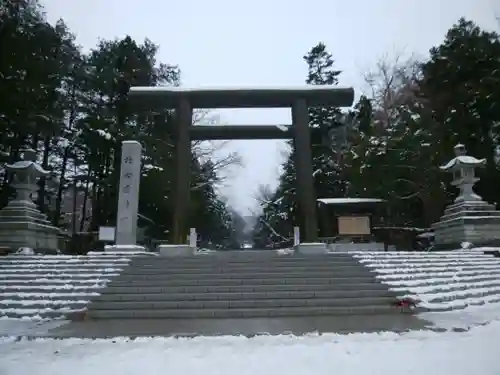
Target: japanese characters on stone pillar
[(128, 196)]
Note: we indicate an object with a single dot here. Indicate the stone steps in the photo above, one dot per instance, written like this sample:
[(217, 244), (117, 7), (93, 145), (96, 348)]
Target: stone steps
[(52, 260), (442, 281), (35, 313), (11, 278), (55, 288), (247, 295), (242, 285), (170, 270), (242, 281), (432, 277), (227, 313), (68, 282), (41, 304), (132, 289), (52, 286), (241, 303), (467, 294), (205, 262), (51, 296), (310, 274)]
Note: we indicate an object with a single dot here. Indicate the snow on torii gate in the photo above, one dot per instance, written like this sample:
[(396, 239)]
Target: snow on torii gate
[(299, 99)]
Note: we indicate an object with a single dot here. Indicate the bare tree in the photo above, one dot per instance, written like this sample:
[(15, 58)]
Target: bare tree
[(214, 151), (264, 195), (393, 87), (392, 84)]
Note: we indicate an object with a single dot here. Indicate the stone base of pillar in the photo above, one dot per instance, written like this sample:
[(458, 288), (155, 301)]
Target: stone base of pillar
[(176, 250), (360, 246), (129, 249), (23, 225), (311, 248)]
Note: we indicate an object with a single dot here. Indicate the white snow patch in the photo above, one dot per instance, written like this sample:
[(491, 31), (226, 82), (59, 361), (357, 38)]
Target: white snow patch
[(418, 352), (348, 200), (25, 251), (466, 245), (27, 326), (439, 281), (41, 286), (287, 251)]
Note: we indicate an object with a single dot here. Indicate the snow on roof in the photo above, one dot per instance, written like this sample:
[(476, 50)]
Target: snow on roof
[(199, 89), (149, 97), (349, 200), (463, 160), (27, 164)]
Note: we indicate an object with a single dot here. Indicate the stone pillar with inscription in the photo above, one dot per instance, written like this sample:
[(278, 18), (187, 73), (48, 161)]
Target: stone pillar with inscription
[(128, 199)]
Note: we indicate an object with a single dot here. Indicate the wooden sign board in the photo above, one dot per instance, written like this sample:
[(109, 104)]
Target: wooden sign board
[(354, 225)]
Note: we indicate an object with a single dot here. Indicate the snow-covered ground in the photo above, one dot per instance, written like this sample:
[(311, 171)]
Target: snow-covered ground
[(419, 352), (467, 280), (442, 280)]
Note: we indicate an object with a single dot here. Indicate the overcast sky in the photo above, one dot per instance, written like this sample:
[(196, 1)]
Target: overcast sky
[(261, 43)]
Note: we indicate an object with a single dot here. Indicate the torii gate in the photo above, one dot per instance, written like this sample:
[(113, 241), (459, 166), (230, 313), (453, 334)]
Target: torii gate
[(300, 99)]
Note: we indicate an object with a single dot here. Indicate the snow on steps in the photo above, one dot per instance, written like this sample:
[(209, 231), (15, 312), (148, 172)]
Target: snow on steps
[(51, 286), (441, 281)]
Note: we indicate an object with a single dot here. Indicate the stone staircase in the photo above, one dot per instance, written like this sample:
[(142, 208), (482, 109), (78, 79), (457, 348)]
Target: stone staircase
[(54, 286), (441, 281), (243, 284)]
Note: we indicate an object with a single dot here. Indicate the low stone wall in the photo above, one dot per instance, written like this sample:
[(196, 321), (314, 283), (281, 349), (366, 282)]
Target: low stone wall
[(467, 229), (365, 246)]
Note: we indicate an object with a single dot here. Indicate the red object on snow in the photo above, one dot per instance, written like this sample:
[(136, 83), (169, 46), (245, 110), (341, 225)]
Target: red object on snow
[(405, 304)]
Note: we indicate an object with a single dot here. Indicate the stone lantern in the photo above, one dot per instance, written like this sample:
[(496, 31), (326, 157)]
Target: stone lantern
[(21, 223), (25, 176), (463, 168), (469, 219)]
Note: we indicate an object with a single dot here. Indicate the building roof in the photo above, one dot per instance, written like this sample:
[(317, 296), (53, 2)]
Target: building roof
[(332, 201)]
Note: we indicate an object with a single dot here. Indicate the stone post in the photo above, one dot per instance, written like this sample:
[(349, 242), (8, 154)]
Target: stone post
[(128, 196), (296, 236), (193, 238)]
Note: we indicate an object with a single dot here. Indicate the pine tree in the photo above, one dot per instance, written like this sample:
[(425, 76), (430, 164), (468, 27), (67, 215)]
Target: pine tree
[(460, 83), (275, 225), (73, 109), (326, 158)]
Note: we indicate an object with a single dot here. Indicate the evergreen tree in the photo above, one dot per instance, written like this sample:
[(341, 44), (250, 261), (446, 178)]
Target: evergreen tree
[(279, 216), (460, 83), (73, 109), (326, 158)]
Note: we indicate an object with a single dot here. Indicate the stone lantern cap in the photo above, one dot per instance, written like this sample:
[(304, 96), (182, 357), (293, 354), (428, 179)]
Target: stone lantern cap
[(27, 165), (462, 160)]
